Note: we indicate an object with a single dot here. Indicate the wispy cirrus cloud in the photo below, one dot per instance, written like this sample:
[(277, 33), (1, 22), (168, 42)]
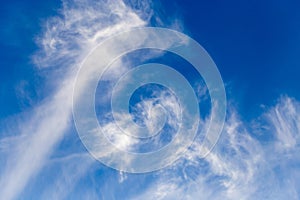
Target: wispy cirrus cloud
[(66, 40), (240, 166), (64, 180)]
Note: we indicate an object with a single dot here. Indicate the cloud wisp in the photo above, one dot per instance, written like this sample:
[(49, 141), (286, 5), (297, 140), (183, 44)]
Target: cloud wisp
[(65, 42), (240, 166)]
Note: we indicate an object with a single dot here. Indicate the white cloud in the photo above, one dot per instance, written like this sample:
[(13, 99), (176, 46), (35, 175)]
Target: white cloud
[(65, 42), (69, 172), (287, 134), (82, 25), (41, 133), (240, 166)]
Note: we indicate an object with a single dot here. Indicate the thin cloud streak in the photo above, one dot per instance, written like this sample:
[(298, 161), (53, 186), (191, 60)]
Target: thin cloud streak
[(64, 44), (71, 169)]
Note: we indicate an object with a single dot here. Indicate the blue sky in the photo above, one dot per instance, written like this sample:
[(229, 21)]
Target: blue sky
[(255, 45)]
